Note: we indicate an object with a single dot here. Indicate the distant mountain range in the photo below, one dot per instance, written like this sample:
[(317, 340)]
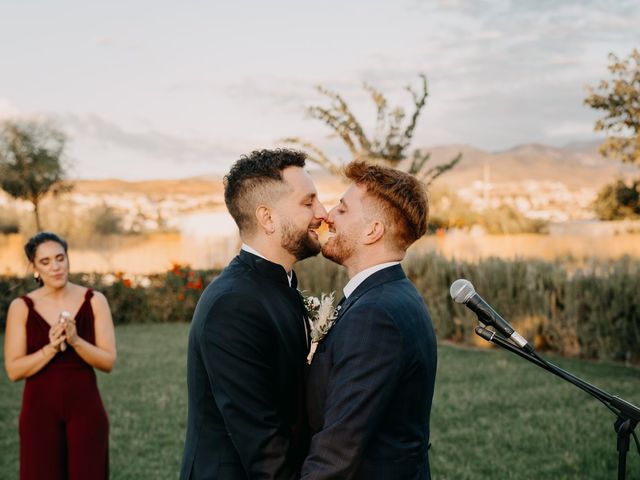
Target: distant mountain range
[(577, 166), (210, 185)]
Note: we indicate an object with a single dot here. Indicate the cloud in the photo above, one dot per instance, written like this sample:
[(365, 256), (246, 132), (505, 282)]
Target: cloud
[(106, 41), (570, 129), (151, 143), (116, 42), (272, 91), (8, 109), (289, 93)]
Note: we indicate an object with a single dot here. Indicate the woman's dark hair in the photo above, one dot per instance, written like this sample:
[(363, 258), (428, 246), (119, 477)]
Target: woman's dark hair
[(39, 238)]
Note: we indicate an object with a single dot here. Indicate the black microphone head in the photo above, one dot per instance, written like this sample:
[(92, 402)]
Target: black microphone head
[(461, 290)]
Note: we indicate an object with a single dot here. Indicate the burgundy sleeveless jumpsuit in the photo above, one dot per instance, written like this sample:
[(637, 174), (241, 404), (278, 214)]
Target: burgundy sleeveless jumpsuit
[(64, 430)]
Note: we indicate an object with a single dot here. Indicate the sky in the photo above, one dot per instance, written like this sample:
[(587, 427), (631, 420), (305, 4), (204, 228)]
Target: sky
[(160, 89)]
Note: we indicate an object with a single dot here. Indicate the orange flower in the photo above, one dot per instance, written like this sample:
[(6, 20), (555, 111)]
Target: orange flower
[(195, 285), (181, 297), (127, 282)]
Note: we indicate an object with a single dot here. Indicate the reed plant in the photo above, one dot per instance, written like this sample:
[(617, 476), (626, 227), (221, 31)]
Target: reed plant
[(589, 312)]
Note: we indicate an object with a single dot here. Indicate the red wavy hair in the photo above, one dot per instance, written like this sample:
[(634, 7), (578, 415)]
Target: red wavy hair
[(401, 198)]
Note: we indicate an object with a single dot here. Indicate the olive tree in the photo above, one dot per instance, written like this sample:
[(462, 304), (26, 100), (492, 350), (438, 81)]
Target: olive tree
[(31, 161), (619, 99)]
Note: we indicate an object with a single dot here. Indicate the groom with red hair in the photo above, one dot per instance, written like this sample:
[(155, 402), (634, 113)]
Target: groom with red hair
[(372, 377)]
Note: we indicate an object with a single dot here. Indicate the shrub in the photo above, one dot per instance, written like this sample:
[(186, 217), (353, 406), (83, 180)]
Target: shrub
[(165, 297), (450, 211), (508, 220), (618, 201), (8, 221), (592, 312), (106, 220)]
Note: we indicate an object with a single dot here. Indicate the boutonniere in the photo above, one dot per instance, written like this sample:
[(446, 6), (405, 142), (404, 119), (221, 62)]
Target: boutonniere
[(322, 315)]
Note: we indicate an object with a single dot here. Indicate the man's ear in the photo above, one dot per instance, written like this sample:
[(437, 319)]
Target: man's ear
[(264, 218), (374, 232)]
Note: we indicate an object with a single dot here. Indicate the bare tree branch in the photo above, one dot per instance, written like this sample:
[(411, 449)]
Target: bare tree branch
[(391, 137), (431, 174), (351, 123), (419, 101)]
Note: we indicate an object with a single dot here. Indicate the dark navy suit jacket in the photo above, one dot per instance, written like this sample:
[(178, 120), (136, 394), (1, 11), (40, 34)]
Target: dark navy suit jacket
[(371, 385), (245, 373)]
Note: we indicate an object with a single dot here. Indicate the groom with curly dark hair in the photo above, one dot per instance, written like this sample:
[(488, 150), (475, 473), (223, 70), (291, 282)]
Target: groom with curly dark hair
[(249, 339)]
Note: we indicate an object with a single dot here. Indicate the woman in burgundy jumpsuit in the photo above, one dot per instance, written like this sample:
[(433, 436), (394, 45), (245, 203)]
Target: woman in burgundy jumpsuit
[(64, 431)]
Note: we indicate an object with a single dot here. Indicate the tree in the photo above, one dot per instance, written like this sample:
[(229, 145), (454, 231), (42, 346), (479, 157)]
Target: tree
[(618, 201), (390, 142), (31, 161), (106, 220), (619, 98)]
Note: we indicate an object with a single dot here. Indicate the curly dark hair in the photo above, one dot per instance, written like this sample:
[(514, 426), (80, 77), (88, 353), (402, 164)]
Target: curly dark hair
[(39, 238), (255, 178)]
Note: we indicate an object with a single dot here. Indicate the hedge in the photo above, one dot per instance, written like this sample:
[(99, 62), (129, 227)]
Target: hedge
[(591, 312)]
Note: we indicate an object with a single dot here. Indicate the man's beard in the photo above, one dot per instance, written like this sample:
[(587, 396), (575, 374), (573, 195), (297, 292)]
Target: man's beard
[(298, 242), (338, 250)]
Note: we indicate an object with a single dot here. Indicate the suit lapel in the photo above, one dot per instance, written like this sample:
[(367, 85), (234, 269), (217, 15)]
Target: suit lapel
[(306, 324), (276, 273), (389, 274), (264, 267)]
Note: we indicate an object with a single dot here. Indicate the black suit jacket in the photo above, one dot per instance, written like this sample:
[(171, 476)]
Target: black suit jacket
[(371, 385), (245, 373)]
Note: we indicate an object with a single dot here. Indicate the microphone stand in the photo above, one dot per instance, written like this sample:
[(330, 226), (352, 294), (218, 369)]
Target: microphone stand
[(628, 415)]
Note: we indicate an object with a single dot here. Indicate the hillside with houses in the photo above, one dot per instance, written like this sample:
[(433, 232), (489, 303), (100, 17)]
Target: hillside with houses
[(541, 182)]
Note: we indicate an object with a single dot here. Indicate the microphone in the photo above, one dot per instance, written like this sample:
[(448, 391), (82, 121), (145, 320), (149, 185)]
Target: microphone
[(462, 291)]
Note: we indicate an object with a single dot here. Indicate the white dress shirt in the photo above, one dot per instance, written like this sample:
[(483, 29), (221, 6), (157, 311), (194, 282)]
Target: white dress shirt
[(360, 277)]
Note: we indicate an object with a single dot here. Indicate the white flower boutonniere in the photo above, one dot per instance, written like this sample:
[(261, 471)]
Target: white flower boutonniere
[(322, 315)]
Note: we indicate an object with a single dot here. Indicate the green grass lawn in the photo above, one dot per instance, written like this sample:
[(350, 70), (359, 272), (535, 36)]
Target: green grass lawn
[(495, 416)]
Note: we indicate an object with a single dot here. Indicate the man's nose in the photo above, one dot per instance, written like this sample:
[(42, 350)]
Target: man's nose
[(321, 212), (329, 216)]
